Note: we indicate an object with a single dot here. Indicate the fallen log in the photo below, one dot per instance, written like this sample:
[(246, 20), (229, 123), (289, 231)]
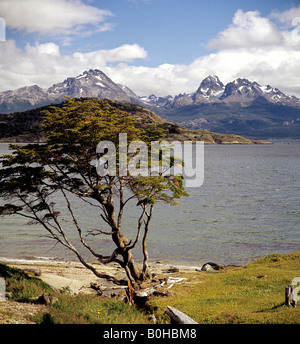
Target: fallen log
[(178, 317)]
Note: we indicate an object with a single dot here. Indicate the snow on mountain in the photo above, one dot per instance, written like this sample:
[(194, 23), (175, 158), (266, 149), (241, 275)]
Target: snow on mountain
[(95, 84), (157, 101), (89, 84), (211, 86), (212, 90), (92, 83)]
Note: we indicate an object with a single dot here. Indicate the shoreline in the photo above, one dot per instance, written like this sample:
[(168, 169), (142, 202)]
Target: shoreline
[(257, 292), (60, 261), (77, 278)]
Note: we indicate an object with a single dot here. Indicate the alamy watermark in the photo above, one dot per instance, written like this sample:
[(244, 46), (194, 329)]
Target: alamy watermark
[(164, 159), (2, 289)]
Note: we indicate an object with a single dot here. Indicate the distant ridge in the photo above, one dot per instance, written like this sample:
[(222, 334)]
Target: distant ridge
[(26, 126), (242, 107), (212, 90)]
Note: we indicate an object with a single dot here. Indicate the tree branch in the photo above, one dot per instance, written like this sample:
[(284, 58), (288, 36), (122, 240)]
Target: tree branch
[(106, 260), (78, 227), (130, 247), (99, 232)]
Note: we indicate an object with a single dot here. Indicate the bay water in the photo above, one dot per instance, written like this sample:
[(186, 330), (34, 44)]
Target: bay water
[(247, 207)]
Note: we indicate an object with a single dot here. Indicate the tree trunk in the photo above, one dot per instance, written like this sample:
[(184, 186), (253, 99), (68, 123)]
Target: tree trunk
[(133, 272), (146, 270)]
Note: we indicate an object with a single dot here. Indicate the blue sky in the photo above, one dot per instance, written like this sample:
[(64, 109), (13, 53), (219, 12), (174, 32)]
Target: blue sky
[(174, 31), (152, 46)]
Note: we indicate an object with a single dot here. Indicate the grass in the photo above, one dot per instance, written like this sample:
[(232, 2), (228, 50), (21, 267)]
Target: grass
[(20, 286), (253, 294), (68, 309), (87, 309)]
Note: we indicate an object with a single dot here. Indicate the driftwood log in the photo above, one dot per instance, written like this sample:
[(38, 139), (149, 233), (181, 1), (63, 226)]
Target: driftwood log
[(140, 297), (178, 317)]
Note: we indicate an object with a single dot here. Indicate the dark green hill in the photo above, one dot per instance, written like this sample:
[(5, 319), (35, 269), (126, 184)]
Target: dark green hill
[(26, 126)]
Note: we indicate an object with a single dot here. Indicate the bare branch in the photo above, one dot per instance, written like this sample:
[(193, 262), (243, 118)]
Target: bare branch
[(38, 219), (78, 227), (106, 260), (145, 252), (99, 231), (90, 203), (129, 247), (112, 227)]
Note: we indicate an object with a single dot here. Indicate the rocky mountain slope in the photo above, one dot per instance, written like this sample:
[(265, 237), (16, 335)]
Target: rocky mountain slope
[(212, 90), (90, 84), (242, 107)]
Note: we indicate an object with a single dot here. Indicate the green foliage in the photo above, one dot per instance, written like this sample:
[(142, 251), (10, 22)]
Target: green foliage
[(33, 174), (87, 123), (21, 286), (73, 132), (167, 189)]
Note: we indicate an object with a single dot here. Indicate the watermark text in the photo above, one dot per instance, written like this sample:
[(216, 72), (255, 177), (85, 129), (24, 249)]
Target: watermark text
[(137, 159)]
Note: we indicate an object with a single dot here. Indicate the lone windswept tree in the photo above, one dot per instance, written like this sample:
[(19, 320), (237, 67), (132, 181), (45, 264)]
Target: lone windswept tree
[(33, 175)]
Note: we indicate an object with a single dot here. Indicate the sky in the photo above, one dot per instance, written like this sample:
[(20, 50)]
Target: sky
[(161, 47)]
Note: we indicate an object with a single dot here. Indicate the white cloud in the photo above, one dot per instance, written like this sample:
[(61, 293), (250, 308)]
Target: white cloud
[(273, 58), (52, 17), (248, 30), (43, 64), (43, 49), (162, 80), (277, 67), (286, 17)]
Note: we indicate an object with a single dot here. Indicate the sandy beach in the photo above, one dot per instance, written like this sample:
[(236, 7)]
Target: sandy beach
[(77, 278)]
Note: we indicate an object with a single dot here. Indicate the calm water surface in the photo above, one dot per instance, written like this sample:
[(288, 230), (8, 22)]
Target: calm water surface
[(248, 206)]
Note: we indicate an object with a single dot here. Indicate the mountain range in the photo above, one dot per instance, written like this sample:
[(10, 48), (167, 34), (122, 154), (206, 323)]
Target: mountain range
[(213, 91), (241, 107), (90, 84)]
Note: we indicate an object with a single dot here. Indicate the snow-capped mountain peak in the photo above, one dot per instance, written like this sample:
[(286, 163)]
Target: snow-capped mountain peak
[(90, 84), (211, 86), (212, 90), (94, 83)]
